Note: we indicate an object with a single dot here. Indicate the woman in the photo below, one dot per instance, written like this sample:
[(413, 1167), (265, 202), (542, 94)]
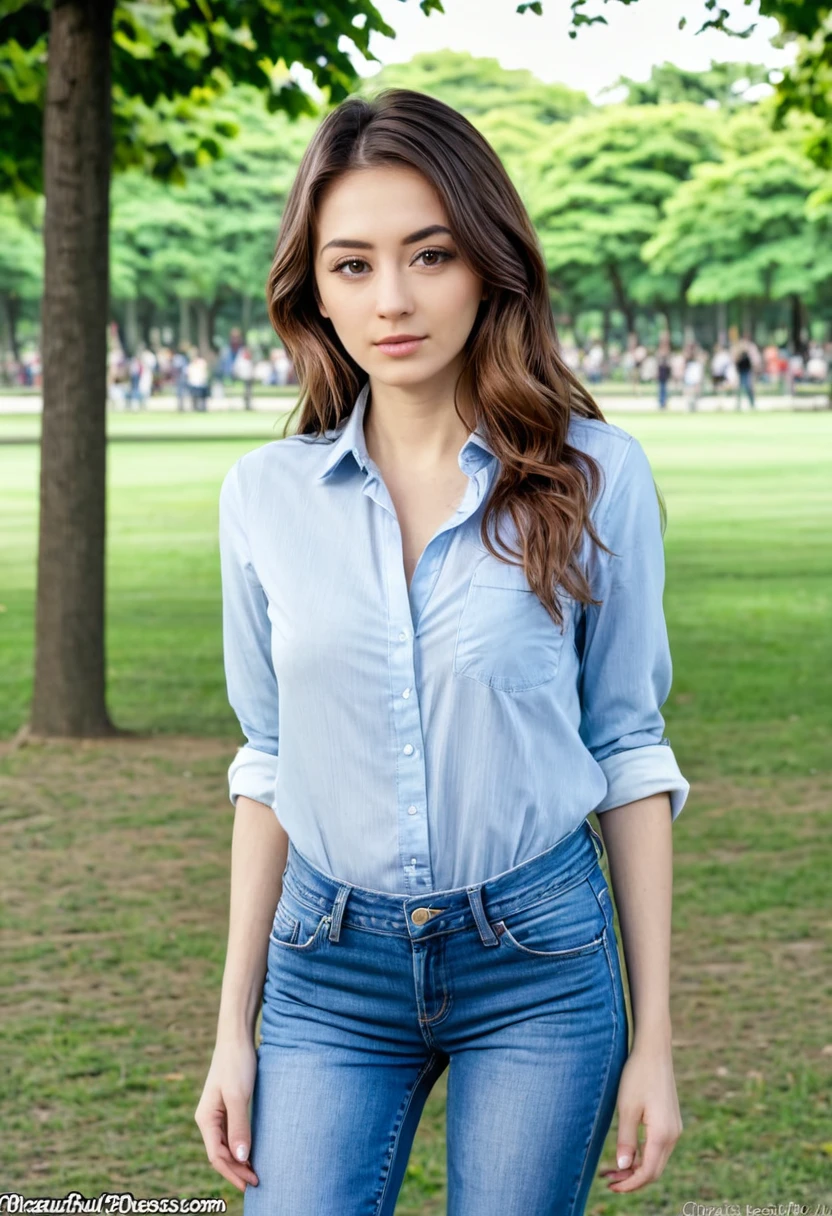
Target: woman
[(432, 724)]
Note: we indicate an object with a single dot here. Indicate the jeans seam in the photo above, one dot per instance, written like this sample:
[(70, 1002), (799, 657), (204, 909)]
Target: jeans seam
[(425, 1069), (604, 1082), (572, 952)]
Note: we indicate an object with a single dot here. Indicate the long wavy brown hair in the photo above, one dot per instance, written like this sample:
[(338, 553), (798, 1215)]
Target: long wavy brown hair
[(518, 386)]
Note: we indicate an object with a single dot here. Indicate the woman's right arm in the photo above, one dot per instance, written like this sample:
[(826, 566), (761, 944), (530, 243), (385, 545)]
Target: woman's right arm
[(258, 858), (259, 844)]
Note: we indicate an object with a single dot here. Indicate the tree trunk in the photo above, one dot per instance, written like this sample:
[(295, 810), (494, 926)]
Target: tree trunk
[(69, 679), (11, 308), (622, 300), (131, 325), (184, 322), (796, 326), (722, 323), (212, 323), (202, 328)]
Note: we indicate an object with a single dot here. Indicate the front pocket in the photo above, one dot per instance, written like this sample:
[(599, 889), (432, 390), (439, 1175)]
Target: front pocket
[(295, 926), (506, 638), (562, 925)]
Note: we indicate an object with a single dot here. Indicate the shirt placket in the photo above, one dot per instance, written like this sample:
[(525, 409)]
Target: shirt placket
[(404, 611)]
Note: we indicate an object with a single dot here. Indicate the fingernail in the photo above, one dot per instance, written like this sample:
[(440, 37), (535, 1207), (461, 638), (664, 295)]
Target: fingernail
[(623, 1161), (242, 1152)]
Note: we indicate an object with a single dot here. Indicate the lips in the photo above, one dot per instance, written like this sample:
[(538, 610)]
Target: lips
[(399, 346), (399, 338)]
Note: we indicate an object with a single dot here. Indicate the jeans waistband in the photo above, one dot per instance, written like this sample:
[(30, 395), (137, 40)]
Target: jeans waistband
[(556, 869)]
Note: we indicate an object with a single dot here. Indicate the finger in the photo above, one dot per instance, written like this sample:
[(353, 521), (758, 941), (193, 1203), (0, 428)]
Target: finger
[(627, 1139), (216, 1145), (237, 1172), (239, 1132), (617, 1175), (652, 1163)]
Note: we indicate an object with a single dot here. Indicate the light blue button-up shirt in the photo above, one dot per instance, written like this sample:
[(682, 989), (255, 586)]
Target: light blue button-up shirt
[(417, 740)]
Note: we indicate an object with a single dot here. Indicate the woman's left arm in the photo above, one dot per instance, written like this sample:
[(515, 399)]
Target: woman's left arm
[(637, 838), (626, 674)]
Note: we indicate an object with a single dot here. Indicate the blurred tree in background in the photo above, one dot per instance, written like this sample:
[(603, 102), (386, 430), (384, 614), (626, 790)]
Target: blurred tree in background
[(601, 183), (806, 86)]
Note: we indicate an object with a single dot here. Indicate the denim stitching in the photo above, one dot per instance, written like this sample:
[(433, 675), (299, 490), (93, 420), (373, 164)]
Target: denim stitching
[(574, 951), (604, 1084)]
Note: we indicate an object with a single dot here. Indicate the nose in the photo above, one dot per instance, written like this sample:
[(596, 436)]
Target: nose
[(393, 297)]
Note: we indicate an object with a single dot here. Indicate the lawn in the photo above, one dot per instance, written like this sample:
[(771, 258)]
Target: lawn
[(115, 854)]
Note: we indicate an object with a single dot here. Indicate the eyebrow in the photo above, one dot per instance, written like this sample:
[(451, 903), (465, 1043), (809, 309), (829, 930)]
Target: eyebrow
[(421, 235)]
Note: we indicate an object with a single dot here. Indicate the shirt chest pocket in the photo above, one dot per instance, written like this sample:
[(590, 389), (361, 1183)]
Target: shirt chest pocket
[(506, 638)]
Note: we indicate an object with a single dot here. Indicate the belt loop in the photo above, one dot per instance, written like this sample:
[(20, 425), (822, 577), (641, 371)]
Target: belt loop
[(338, 911), (487, 934), (599, 847)]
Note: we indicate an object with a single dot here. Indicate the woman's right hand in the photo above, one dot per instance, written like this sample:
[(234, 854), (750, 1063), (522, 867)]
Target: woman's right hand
[(222, 1113)]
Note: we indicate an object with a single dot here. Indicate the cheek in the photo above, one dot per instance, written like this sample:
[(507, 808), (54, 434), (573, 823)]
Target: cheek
[(456, 302)]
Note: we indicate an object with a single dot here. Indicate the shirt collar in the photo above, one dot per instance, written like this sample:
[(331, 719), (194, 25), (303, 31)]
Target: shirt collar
[(474, 453)]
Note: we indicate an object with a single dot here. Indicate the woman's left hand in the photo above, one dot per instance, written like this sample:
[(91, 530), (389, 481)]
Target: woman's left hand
[(646, 1094)]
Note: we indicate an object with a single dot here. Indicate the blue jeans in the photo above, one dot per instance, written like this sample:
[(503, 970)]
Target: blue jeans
[(514, 984), (745, 383)]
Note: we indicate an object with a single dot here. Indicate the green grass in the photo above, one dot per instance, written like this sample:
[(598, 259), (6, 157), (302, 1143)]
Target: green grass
[(116, 852)]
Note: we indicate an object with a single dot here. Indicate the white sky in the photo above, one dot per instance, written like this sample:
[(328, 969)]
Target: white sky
[(636, 37)]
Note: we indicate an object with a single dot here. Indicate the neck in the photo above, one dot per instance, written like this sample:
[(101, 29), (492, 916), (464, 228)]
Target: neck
[(414, 427)]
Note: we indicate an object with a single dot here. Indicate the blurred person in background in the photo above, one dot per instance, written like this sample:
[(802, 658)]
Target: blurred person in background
[(663, 374), (771, 365), (244, 371), (179, 368), (693, 377), (720, 366), (745, 372), (148, 364), (594, 363), (816, 365), (649, 368), (197, 376), (795, 371), (280, 365), (134, 373), (678, 363)]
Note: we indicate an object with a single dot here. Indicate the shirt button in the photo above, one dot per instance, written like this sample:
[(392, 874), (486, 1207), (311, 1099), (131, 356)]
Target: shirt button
[(408, 749), (403, 636), (413, 861), (411, 810), (406, 693)]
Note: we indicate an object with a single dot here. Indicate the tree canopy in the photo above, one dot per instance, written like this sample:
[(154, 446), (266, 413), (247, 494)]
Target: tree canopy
[(172, 57), (806, 86)]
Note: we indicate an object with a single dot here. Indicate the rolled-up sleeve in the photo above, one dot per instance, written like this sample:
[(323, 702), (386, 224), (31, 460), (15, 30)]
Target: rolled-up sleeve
[(626, 669), (249, 672)]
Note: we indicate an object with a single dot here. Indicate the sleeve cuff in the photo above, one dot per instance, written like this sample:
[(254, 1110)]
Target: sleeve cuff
[(253, 774), (640, 772)]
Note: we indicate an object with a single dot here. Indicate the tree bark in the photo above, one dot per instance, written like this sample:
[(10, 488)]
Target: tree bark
[(184, 322), (622, 300), (11, 306), (131, 325), (69, 678), (203, 328), (795, 323)]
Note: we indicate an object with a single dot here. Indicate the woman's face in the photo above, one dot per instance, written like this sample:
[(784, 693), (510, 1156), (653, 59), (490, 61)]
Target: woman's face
[(375, 280)]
